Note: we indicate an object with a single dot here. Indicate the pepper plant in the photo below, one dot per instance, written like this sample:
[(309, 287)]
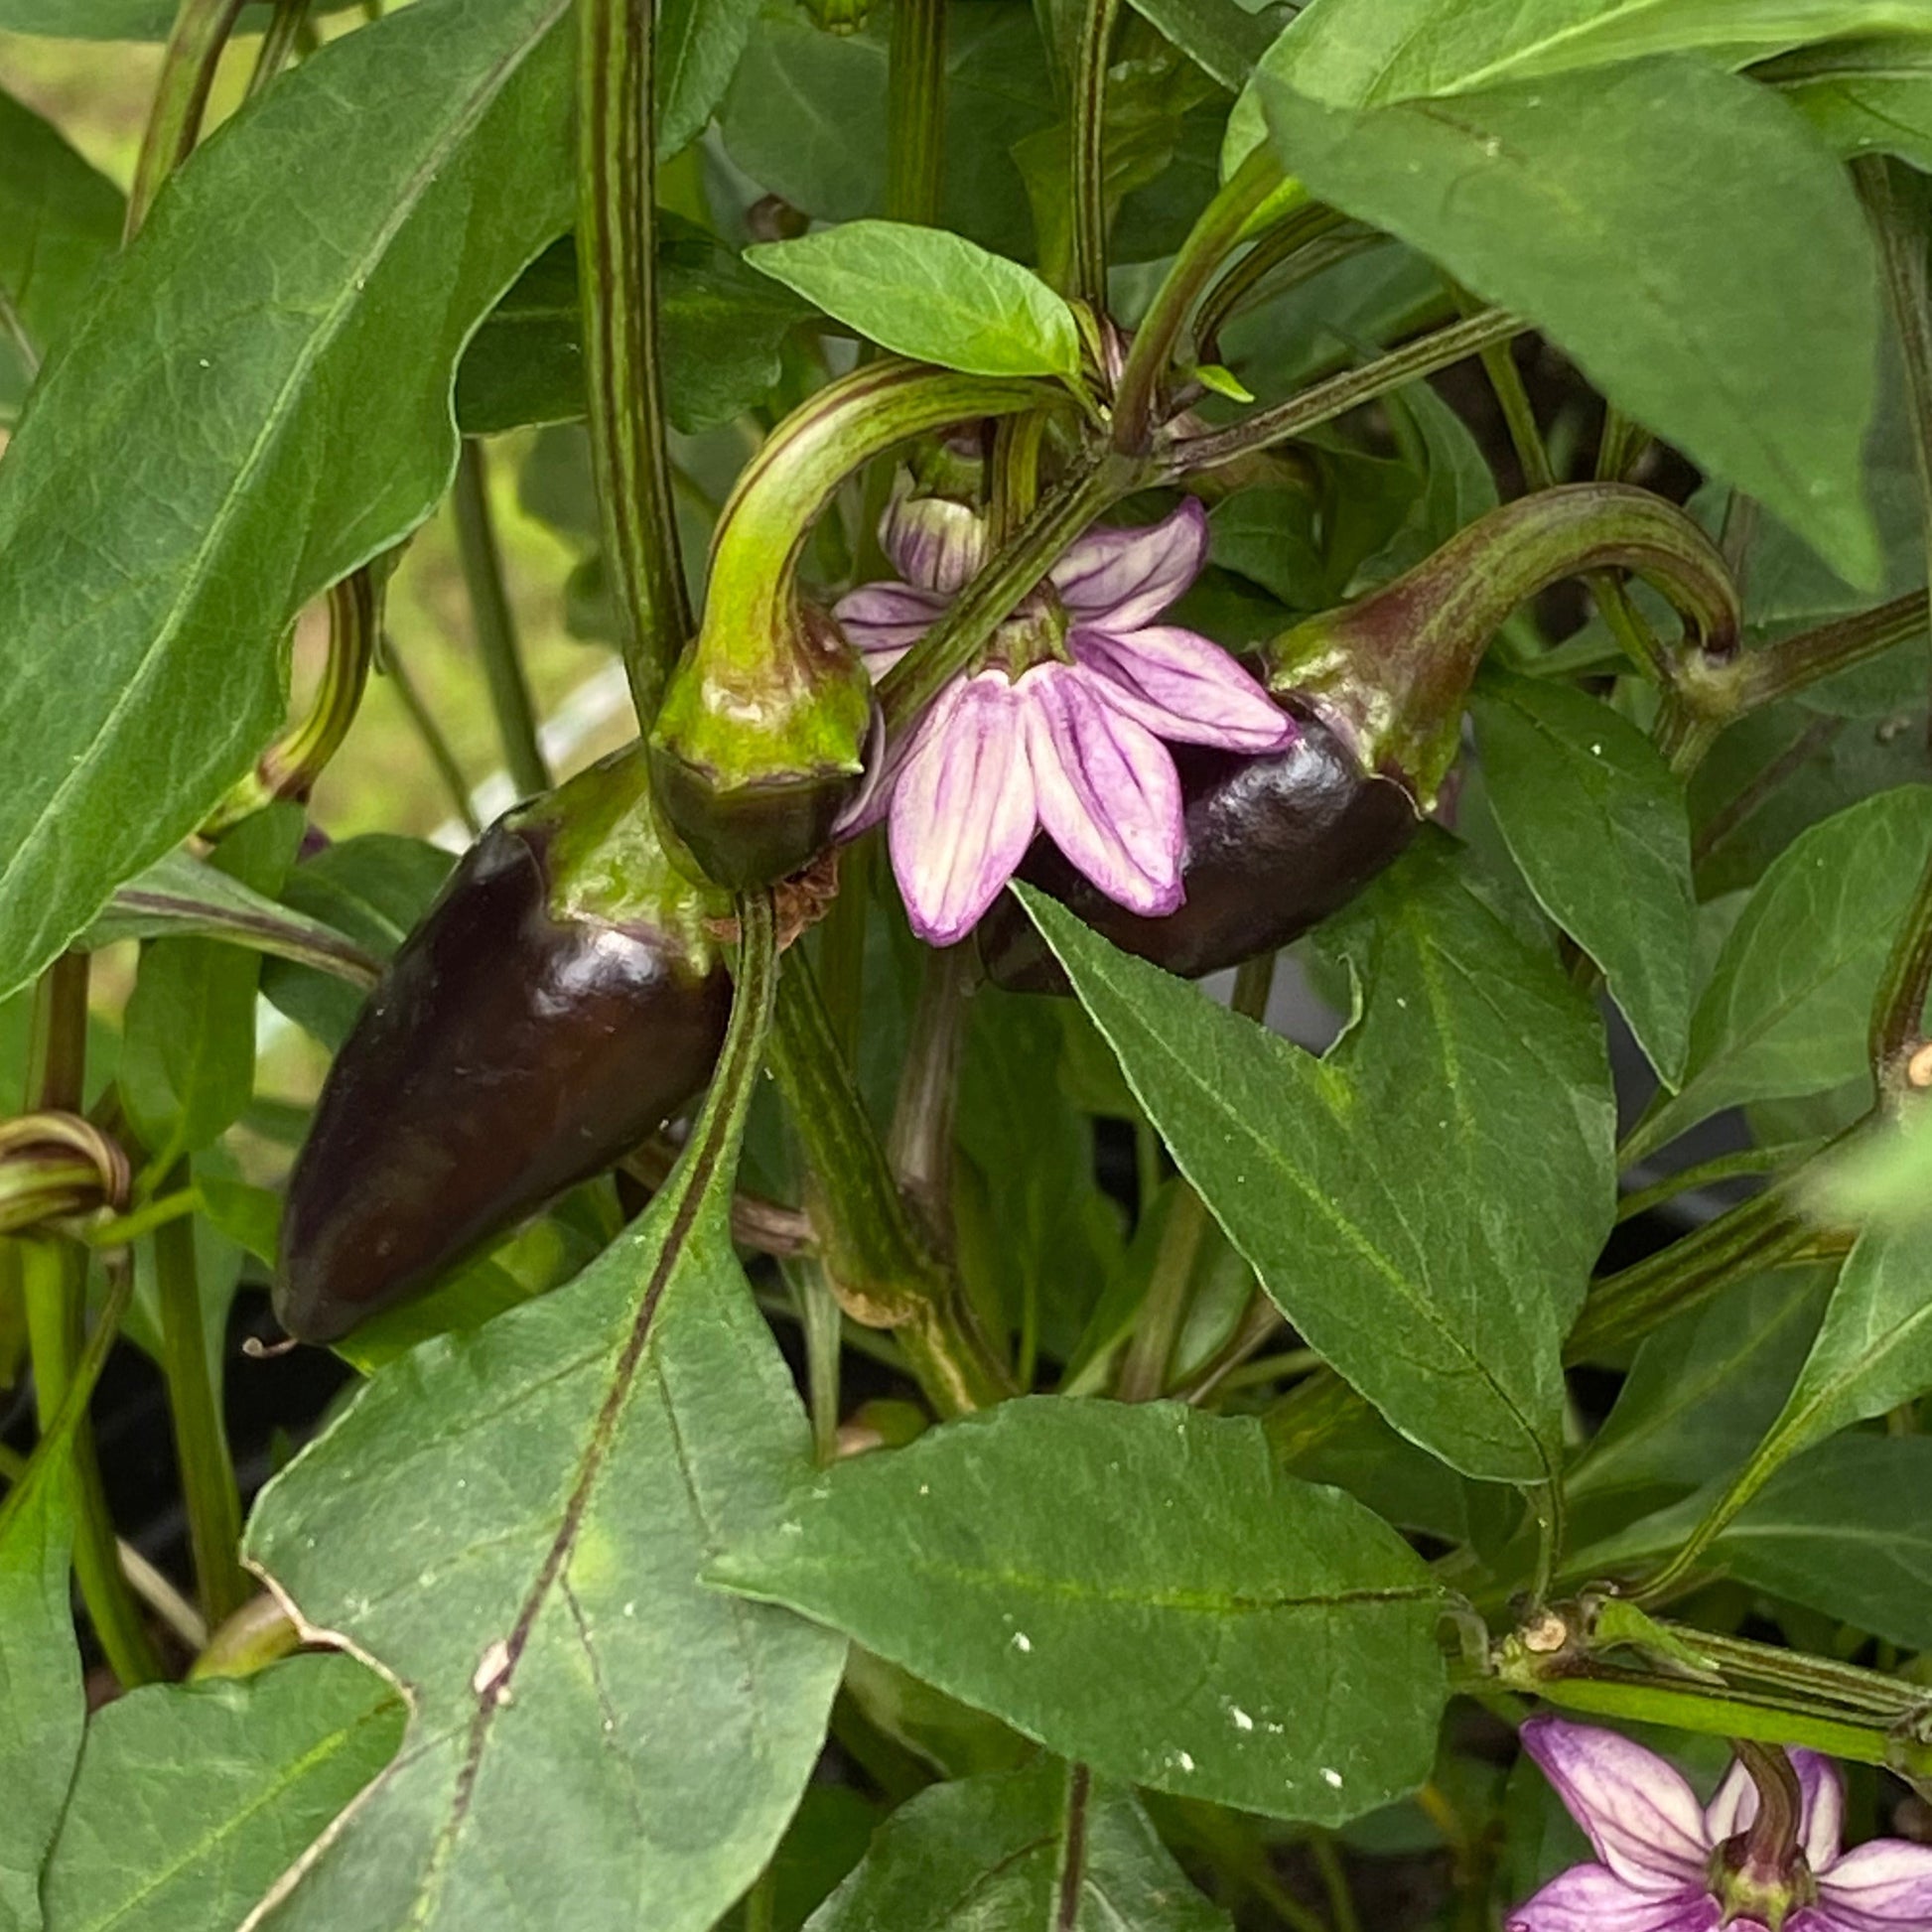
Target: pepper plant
[(993, 1276)]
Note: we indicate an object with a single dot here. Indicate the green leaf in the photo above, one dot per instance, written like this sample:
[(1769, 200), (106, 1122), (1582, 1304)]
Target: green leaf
[(117, 19), (806, 116), (42, 1708), (1005, 1850), (1202, 1623), (721, 329), (1362, 52), (1597, 823), (1846, 1531), (240, 417), (1678, 231), (695, 51), (512, 1522), (193, 1799), (929, 295), (1049, 1238), (375, 888), (1223, 39), (59, 221), (1348, 1183), (1873, 1351), (1703, 1390), (1789, 1001), (182, 897), (188, 1057), (1885, 1177), (1457, 484), (1865, 96)]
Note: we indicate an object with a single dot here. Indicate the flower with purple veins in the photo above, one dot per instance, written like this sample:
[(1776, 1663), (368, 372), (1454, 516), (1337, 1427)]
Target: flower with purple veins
[(1065, 729), (1666, 1864)]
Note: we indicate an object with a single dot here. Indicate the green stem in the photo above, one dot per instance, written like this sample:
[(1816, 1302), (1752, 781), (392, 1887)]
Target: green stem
[(1791, 664), (1898, 1008), (54, 1282), (1620, 445), (916, 111), (1097, 23), (207, 1476), (430, 735), (1643, 1698), (201, 31), (258, 1634), (1335, 1882), (278, 42), (919, 1147), (1144, 1368), (120, 1230), (997, 592), (823, 1323), (1721, 1167), (1622, 1306), (1325, 401), (1902, 250), (1292, 238), (1215, 233), (872, 1251), (617, 269), (496, 627)]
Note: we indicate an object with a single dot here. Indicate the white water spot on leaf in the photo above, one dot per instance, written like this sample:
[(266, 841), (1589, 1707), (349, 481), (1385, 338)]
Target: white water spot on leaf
[(1021, 1643), (1181, 1760), (1331, 1777), (491, 1668), (1239, 1718)]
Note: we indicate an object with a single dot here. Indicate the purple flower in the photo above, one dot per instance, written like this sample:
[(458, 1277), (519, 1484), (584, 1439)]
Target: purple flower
[(1661, 1865), (1062, 730)]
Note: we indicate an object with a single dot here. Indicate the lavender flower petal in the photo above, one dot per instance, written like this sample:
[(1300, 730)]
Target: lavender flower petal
[(1641, 1816), (885, 620), (1108, 794), (1127, 577), (1184, 687), (1883, 1886), (1820, 1813), (962, 810), (1590, 1898)]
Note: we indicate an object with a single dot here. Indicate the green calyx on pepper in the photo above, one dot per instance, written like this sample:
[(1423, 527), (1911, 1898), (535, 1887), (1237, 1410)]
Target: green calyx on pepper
[(762, 738)]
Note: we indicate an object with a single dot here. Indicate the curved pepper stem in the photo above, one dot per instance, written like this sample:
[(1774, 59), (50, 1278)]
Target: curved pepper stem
[(763, 733), (1390, 672)]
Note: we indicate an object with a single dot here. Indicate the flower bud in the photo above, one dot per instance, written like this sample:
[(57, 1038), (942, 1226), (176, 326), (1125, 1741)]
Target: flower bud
[(563, 997), (766, 719)]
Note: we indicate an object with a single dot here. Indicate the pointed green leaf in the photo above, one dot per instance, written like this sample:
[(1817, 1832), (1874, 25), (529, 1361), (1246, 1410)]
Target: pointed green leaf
[(1201, 1623), (929, 295), (1679, 231), (182, 896), (1426, 1203), (1360, 53), (193, 1799), (59, 221), (42, 1708), (1789, 1001), (1010, 1850), (239, 419), (1597, 823), (512, 1523), (1874, 1349), (1865, 96)]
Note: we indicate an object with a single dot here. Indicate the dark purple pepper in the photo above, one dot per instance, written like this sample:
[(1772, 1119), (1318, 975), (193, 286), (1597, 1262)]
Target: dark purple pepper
[(1274, 844), (517, 1043)]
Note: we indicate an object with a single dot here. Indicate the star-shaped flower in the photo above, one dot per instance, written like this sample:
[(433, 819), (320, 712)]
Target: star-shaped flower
[(1066, 729), (1661, 1855)]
